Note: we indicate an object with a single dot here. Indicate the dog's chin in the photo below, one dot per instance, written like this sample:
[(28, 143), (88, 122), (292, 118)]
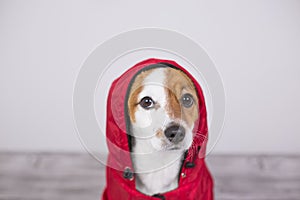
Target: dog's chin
[(170, 147), (175, 148), (183, 146)]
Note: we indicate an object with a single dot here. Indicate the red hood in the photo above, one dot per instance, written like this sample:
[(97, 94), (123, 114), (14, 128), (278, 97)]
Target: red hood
[(195, 181)]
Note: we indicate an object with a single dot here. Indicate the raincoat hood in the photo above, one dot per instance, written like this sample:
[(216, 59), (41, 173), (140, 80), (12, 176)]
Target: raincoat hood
[(194, 179)]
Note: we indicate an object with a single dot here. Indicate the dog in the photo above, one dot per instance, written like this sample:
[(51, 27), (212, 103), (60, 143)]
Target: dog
[(163, 107)]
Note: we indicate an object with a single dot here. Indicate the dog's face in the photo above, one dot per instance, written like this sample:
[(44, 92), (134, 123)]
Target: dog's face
[(163, 107)]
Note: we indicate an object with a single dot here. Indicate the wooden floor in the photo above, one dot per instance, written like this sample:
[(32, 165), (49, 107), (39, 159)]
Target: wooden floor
[(67, 176)]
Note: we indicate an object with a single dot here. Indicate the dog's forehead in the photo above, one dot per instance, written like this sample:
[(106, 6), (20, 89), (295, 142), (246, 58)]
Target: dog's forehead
[(155, 77), (178, 80), (154, 80), (154, 84)]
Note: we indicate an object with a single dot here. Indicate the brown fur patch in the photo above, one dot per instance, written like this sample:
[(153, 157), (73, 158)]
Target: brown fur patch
[(159, 133), (178, 83), (135, 90)]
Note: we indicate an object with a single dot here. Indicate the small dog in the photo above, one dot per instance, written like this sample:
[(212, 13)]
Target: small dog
[(163, 107)]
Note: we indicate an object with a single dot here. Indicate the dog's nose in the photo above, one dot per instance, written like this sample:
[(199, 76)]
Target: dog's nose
[(175, 133)]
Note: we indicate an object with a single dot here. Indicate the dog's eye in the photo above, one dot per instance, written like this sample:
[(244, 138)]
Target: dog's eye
[(147, 103), (187, 100)]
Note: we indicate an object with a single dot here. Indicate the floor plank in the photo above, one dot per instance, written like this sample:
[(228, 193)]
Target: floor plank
[(45, 176), (256, 177)]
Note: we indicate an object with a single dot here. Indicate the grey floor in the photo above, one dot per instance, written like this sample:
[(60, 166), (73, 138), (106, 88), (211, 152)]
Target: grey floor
[(49, 176)]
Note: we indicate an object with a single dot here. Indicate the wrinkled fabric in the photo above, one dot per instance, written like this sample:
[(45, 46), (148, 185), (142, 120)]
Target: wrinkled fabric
[(193, 182)]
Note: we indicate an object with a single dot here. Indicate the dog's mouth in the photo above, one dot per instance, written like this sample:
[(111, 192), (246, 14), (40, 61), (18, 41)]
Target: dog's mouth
[(173, 148)]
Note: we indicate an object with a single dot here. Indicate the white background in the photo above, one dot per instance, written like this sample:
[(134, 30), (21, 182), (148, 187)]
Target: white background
[(254, 44)]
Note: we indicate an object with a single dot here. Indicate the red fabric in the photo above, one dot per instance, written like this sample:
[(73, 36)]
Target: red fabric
[(197, 184)]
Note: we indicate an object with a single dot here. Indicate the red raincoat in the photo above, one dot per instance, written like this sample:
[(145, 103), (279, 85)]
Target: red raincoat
[(194, 179)]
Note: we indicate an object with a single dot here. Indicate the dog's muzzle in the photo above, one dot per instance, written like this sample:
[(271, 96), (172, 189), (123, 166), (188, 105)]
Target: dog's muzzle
[(175, 133)]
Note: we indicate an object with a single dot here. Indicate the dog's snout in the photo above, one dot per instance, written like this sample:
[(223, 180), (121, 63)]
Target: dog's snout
[(175, 133)]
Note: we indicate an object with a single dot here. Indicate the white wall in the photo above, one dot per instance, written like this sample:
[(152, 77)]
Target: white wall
[(255, 45)]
